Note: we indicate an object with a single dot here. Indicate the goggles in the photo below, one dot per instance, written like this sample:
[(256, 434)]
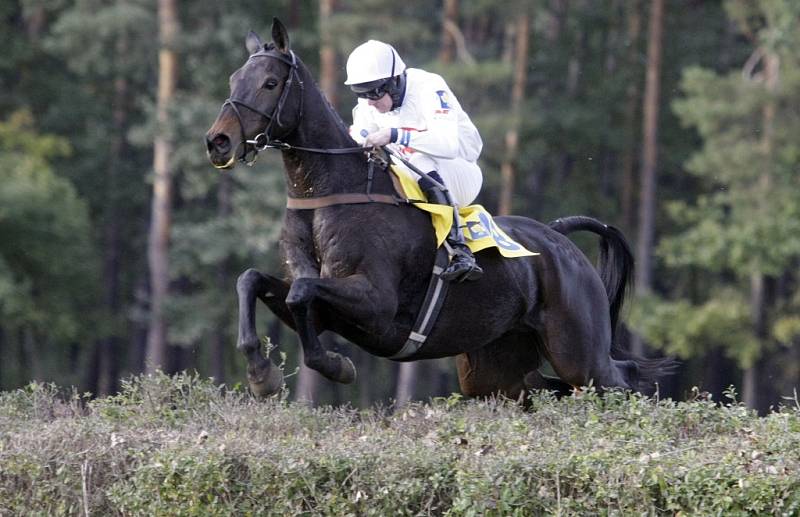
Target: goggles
[(372, 91)]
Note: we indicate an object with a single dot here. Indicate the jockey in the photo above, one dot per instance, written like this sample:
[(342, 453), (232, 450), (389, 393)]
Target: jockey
[(416, 112)]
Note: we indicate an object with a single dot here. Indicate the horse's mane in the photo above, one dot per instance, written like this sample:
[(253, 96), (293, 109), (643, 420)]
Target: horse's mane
[(310, 78)]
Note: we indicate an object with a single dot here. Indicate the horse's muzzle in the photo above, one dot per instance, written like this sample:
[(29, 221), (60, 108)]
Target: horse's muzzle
[(220, 150)]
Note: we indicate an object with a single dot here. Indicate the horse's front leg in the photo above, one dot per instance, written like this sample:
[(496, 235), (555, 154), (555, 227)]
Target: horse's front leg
[(264, 377), (354, 298)]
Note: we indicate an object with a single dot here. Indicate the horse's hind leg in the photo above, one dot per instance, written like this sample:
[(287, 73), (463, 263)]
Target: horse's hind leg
[(576, 338), (578, 346), (507, 366), (263, 376), (535, 381), (499, 368)]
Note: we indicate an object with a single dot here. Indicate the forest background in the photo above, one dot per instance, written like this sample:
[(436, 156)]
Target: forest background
[(676, 120)]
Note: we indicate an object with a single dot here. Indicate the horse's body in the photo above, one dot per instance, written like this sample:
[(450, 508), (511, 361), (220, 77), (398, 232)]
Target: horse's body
[(361, 270)]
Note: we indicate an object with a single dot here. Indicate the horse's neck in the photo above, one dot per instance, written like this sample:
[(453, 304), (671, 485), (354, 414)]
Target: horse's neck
[(318, 174)]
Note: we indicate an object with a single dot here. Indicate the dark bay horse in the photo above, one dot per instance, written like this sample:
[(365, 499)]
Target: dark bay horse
[(361, 270)]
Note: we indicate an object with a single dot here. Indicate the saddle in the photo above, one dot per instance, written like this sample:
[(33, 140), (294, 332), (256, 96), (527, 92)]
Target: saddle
[(481, 232)]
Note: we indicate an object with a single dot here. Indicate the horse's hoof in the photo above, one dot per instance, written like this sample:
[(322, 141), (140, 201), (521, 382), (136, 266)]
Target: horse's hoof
[(264, 378), (536, 381), (348, 371), (343, 371)]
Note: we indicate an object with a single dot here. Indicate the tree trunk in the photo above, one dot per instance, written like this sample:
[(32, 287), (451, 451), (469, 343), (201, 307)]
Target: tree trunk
[(558, 19), (507, 168), (224, 282), (35, 22), (647, 192), (161, 214), (407, 380), (309, 381), (367, 366), (108, 347), (327, 54), (447, 51), (631, 101), (758, 304), (759, 300)]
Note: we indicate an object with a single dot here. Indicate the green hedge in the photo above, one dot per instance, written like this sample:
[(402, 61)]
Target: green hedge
[(182, 446)]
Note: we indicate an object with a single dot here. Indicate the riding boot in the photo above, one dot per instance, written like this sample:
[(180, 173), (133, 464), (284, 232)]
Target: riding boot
[(462, 262)]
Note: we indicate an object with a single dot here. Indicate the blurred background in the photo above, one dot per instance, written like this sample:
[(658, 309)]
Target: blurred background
[(677, 121)]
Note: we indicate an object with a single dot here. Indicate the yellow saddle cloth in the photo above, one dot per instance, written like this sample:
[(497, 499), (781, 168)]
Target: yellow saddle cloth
[(480, 230)]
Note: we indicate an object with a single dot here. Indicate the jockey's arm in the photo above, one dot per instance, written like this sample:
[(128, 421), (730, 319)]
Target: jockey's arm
[(439, 137), (363, 123)]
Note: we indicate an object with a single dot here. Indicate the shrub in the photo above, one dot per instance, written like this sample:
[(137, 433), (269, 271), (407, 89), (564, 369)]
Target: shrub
[(183, 446)]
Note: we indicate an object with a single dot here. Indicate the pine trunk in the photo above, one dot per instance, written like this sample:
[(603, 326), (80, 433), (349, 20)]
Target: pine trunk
[(327, 53), (447, 51), (161, 214), (751, 381), (407, 380), (224, 281), (631, 100), (507, 168), (108, 347), (759, 301), (647, 192)]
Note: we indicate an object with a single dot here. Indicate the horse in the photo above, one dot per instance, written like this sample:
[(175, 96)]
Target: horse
[(361, 268)]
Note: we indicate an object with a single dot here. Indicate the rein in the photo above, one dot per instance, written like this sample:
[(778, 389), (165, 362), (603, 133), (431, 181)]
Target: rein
[(264, 141)]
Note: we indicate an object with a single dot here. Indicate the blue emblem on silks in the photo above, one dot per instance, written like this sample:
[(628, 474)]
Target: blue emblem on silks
[(443, 99), (486, 228)]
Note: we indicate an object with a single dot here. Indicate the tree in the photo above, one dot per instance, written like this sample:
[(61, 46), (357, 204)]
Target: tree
[(521, 31), (628, 187), (161, 215), (46, 297), (741, 231), (647, 193)]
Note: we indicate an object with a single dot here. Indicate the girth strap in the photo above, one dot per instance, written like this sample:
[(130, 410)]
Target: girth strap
[(353, 198), (312, 203), (431, 306)]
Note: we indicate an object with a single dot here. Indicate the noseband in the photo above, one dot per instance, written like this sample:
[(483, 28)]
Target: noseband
[(263, 140)]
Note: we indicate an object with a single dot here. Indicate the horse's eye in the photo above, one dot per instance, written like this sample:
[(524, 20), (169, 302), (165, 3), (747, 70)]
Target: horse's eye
[(270, 84)]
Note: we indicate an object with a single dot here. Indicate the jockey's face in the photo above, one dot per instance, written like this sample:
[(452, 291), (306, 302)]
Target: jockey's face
[(383, 105)]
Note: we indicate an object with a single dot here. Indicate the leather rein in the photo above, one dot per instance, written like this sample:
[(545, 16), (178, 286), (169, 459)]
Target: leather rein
[(263, 141)]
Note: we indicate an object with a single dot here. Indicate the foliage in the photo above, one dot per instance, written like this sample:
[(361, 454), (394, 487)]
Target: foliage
[(84, 73), (686, 330), (744, 222), (185, 446), (46, 290)]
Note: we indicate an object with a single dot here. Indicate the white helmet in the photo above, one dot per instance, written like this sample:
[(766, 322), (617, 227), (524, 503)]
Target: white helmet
[(372, 61)]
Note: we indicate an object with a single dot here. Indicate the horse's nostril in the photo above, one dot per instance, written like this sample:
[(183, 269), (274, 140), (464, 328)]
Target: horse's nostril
[(220, 143)]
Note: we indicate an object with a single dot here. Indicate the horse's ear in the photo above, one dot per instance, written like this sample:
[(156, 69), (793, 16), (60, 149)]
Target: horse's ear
[(254, 43), (280, 36)]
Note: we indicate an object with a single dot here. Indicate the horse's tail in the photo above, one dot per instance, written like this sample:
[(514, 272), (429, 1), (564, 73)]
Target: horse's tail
[(616, 267), (615, 263), (648, 371)]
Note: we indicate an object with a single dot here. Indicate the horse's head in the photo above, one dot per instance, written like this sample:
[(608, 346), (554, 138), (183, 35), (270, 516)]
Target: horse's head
[(264, 104)]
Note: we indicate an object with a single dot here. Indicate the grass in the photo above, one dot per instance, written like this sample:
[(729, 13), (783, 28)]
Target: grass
[(183, 446)]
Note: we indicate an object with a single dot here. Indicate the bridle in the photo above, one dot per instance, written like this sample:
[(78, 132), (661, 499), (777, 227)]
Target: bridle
[(264, 139)]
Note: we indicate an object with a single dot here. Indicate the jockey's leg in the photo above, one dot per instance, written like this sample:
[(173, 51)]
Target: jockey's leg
[(462, 264)]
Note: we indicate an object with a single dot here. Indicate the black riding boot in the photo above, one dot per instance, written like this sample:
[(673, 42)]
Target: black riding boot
[(462, 263)]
